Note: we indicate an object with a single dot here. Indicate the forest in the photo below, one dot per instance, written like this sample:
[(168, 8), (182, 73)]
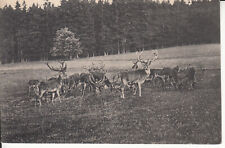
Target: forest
[(105, 28)]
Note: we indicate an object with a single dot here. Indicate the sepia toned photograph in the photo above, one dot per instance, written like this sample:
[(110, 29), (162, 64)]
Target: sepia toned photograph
[(110, 71)]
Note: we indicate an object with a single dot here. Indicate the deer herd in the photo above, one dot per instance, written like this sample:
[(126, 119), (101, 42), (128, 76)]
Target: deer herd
[(96, 80)]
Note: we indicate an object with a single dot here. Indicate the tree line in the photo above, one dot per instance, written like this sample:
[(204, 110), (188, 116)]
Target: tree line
[(105, 28)]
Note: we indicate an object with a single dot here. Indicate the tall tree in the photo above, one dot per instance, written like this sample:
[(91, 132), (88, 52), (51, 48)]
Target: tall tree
[(66, 44)]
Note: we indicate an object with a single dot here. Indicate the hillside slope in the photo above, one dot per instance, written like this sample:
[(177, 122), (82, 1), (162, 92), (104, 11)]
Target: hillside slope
[(207, 56)]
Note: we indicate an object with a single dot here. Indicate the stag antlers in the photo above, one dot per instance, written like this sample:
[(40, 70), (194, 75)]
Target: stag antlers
[(61, 69), (145, 62), (96, 68)]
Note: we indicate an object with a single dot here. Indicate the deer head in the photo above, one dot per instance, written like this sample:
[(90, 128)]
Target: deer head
[(61, 69), (139, 59), (147, 62)]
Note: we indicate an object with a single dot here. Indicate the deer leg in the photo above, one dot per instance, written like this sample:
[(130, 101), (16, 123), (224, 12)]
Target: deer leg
[(83, 89), (40, 96), (36, 99), (139, 86), (53, 96), (111, 87), (91, 87), (29, 89), (58, 94), (39, 100), (134, 89), (122, 90)]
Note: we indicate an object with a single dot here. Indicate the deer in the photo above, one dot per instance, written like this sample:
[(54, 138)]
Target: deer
[(137, 76), (61, 70), (32, 84), (73, 80), (53, 85), (140, 60), (186, 76), (95, 79)]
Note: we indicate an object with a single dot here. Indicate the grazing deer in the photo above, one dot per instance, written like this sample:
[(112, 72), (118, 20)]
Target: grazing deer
[(185, 77), (85, 81), (95, 79), (73, 80), (167, 75), (138, 76)]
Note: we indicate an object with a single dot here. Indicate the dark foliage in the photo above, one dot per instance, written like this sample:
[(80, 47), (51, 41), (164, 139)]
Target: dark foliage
[(106, 28)]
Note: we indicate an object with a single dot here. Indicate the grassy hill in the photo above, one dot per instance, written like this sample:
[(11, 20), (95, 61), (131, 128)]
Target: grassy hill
[(159, 116), (204, 56)]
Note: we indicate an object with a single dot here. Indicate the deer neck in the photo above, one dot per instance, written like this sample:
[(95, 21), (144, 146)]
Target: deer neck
[(147, 71)]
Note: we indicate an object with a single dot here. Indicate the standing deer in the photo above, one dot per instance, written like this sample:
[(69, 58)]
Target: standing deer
[(61, 71), (133, 77), (53, 85), (138, 76)]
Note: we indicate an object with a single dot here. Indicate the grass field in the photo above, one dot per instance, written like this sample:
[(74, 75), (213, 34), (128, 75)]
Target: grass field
[(158, 116)]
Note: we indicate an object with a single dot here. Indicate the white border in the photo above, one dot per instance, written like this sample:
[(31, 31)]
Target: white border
[(222, 145)]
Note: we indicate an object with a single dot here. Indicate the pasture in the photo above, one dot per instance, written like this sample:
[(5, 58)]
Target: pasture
[(159, 116)]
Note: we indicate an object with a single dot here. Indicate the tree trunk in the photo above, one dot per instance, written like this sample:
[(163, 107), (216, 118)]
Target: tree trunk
[(118, 47)]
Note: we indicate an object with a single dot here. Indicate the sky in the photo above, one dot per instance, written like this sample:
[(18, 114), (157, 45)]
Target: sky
[(30, 2)]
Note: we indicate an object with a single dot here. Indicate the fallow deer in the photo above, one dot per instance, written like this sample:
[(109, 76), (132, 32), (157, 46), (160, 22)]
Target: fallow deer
[(32, 85), (53, 85), (138, 76)]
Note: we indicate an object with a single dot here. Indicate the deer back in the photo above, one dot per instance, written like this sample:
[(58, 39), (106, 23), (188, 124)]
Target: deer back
[(51, 84), (134, 76)]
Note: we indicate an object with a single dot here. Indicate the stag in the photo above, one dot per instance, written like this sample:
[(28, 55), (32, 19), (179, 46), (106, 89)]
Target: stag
[(138, 76), (53, 85), (61, 70), (142, 61), (95, 79)]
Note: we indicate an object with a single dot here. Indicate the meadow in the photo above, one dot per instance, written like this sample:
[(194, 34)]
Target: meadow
[(159, 116)]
